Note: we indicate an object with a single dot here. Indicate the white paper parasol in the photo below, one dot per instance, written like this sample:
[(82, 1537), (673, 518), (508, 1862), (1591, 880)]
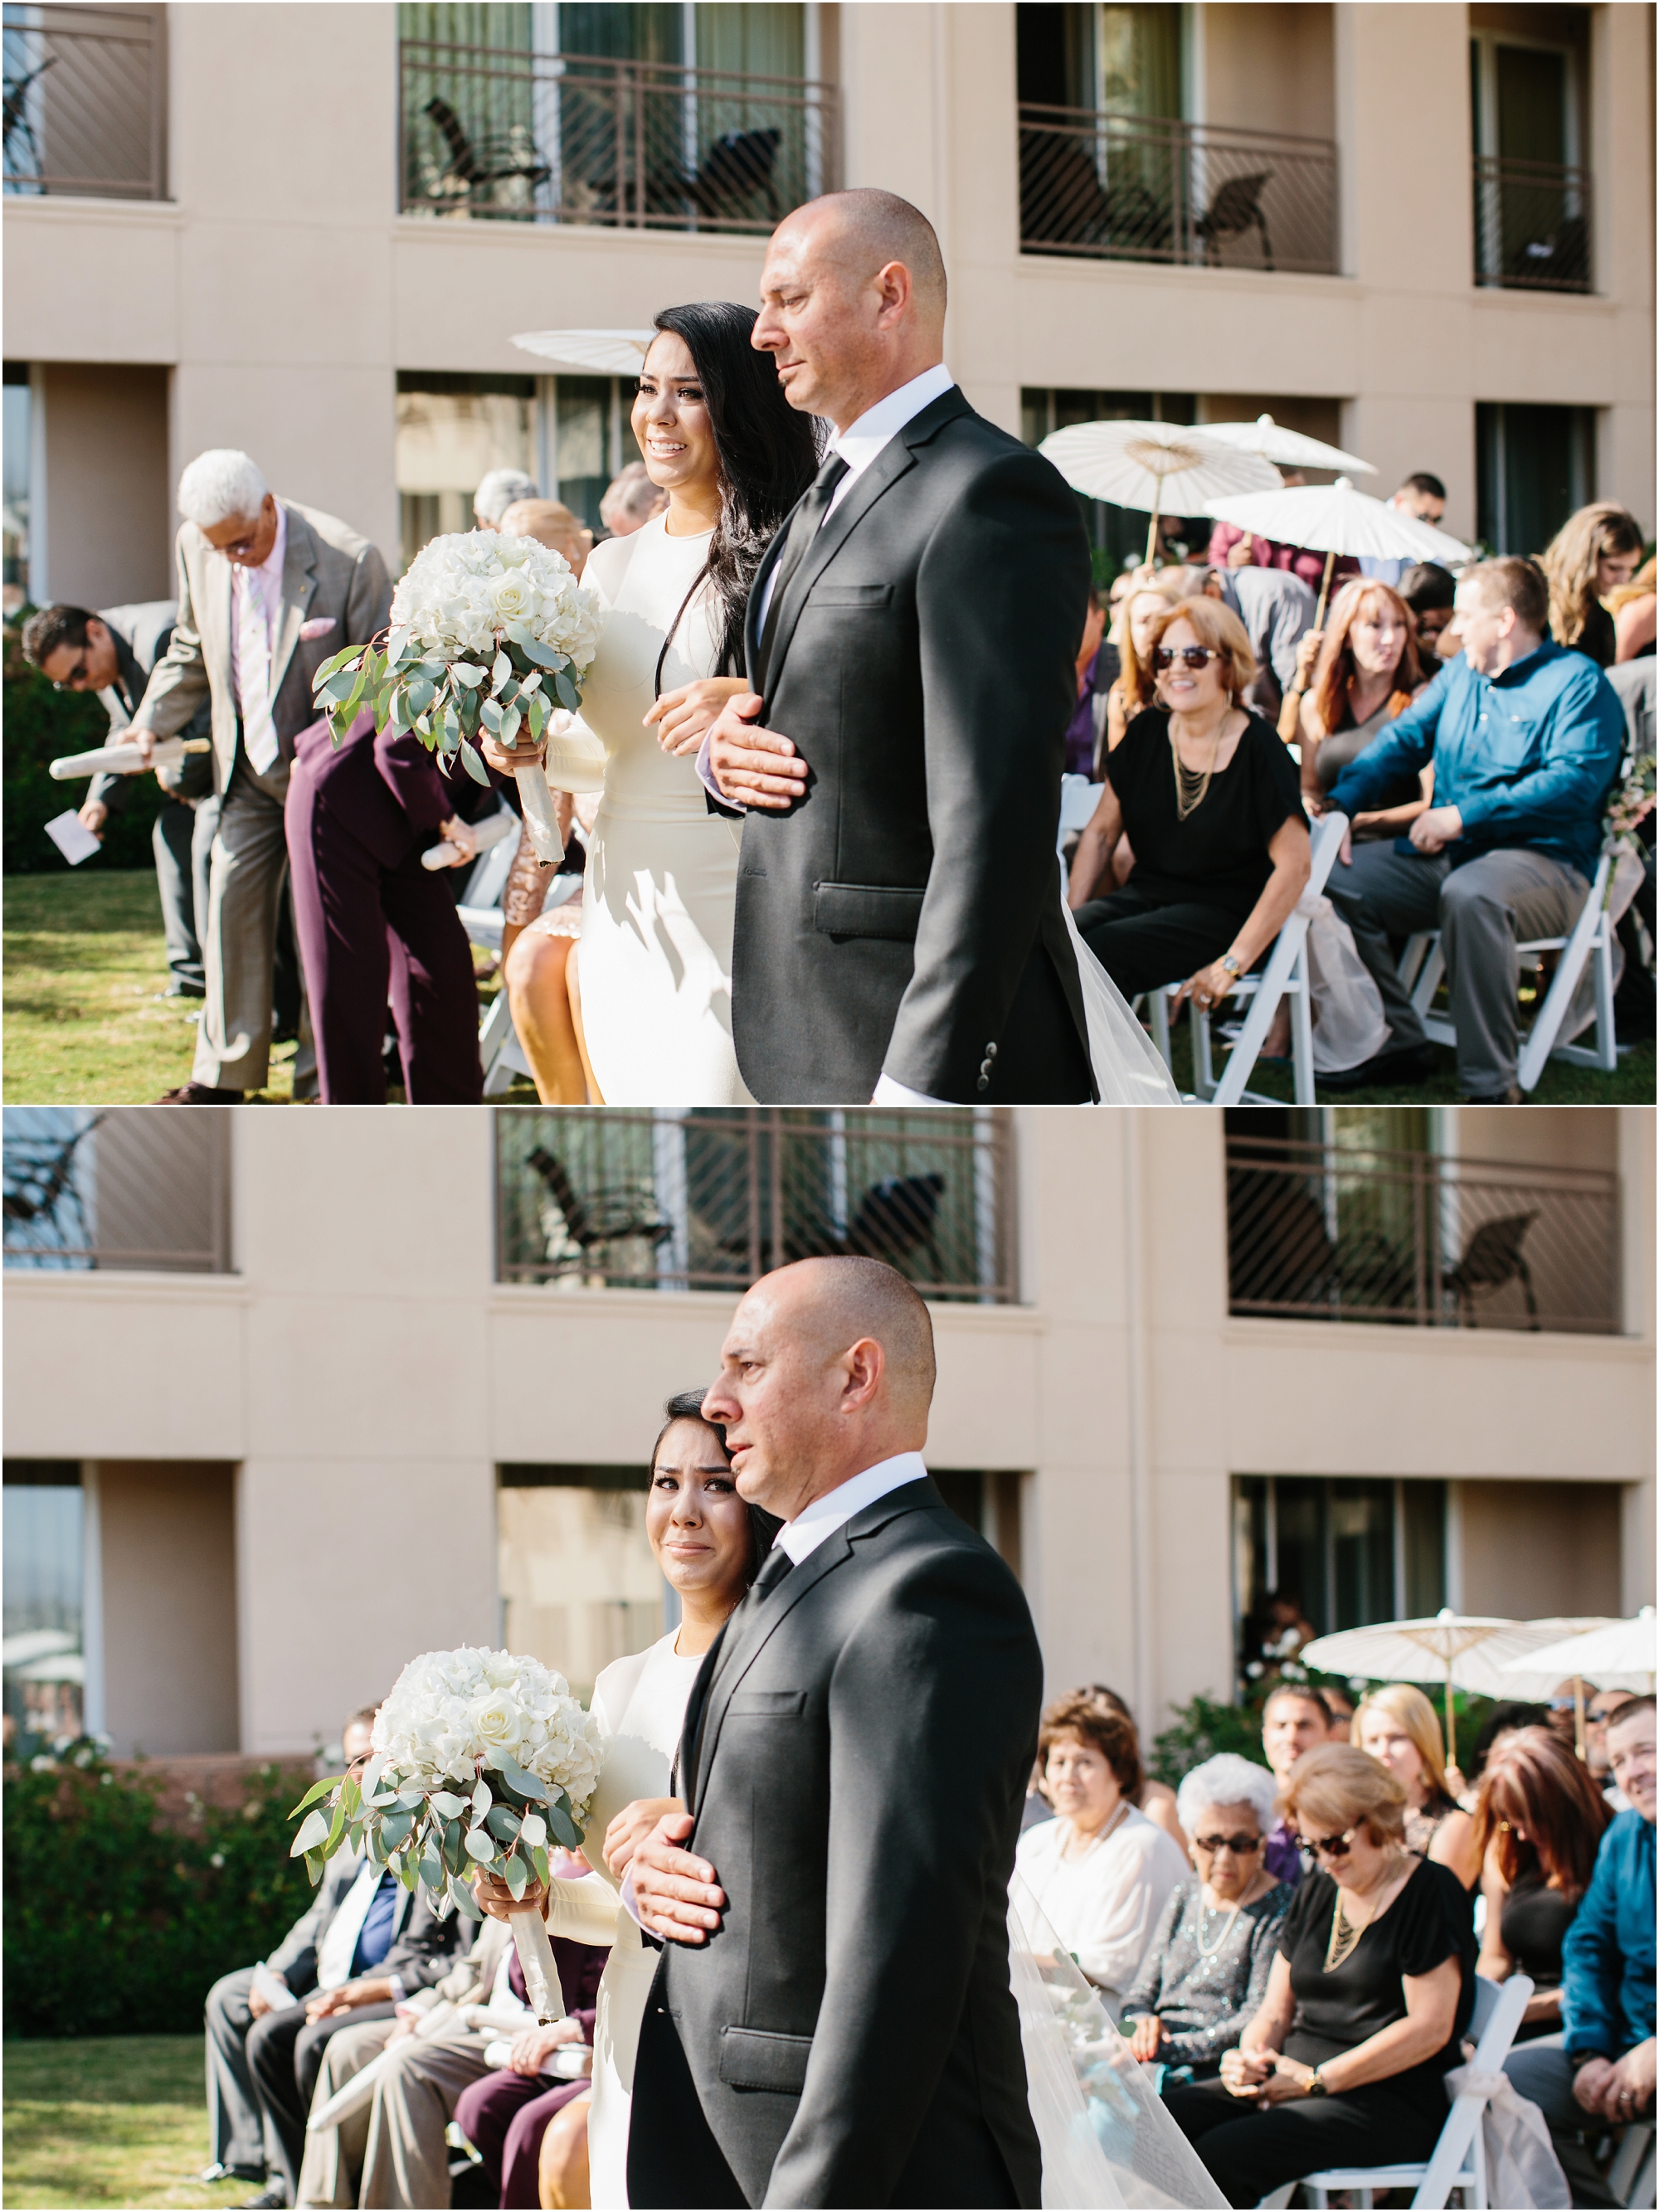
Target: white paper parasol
[(1163, 466), (1332, 519), (1619, 1654), (1467, 1651), (1288, 448), (589, 353)]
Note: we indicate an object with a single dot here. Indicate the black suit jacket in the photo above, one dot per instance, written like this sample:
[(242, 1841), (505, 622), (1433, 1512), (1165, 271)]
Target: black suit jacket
[(856, 1753), (906, 914)]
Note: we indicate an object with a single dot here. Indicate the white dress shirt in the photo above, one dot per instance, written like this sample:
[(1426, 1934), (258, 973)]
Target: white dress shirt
[(256, 598), (802, 1536)]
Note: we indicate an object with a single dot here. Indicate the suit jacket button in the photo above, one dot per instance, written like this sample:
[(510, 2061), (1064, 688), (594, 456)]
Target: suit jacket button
[(990, 1052), (984, 1082)]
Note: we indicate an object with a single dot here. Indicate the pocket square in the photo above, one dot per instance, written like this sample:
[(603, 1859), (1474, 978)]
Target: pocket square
[(319, 627)]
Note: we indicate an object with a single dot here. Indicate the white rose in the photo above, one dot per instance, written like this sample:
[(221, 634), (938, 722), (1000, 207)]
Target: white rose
[(512, 597), (497, 1721)]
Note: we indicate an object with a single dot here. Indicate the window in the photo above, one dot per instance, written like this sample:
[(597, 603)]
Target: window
[(44, 1534), (1117, 534), (451, 431), (121, 1190), (19, 468), (1527, 71), (579, 1584), (1534, 465), (1343, 1552)]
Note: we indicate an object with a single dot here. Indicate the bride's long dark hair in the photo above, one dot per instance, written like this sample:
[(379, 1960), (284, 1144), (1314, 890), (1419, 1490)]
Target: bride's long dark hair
[(769, 455)]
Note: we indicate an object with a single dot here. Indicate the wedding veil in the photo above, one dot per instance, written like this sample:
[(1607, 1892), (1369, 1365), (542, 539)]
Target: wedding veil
[(1107, 2140), (1128, 1069)]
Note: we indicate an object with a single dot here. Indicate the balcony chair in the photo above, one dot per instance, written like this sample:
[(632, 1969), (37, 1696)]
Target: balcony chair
[(612, 1214), (474, 168), (39, 1185), (895, 1217), (1284, 976), (1235, 209), (1591, 940), (1460, 2156), (16, 115), (1062, 199), (1492, 1260), (734, 169)]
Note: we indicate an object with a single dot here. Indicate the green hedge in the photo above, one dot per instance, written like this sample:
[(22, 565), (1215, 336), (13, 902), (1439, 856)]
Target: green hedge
[(40, 725), (116, 1924)]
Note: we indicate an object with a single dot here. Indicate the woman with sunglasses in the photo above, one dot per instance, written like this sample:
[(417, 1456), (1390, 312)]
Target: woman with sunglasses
[(1207, 797), (1204, 1977), (1366, 2003)]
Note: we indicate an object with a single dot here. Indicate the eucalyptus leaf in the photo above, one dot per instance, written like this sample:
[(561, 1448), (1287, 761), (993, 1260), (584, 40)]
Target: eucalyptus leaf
[(517, 1876), (314, 1832), (478, 1844), (569, 697), (473, 765), (510, 722), (538, 1860), (539, 711), (395, 644), (446, 1803), (315, 1864), (432, 1871), (464, 1901), (394, 1828), (518, 1778), (317, 1789), (500, 670), (335, 661), (543, 655), (564, 1828), (490, 715), (336, 1828), (533, 1830), (421, 693), (408, 1872), (463, 672), (502, 1823)]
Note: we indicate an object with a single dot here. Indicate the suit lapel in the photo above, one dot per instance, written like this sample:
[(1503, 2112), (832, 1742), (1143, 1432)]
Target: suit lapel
[(222, 608), (893, 461), (299, 582), (751, 621)]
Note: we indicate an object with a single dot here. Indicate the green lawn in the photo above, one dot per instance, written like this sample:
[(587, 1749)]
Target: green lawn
[(84, 961), (115, 2121)]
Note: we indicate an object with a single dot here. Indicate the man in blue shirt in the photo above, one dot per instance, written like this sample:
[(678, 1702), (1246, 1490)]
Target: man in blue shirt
[(1525, 740), (1599, 2070)]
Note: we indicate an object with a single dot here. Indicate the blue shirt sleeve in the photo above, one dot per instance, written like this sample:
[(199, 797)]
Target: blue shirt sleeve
[(1406, 746), (1582, 748), (1591, 1961)]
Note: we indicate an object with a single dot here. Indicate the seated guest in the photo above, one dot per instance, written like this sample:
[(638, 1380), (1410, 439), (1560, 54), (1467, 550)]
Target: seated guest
[(1100, 1870), (1295, 1720), (1502, 1723), (1430, 594), (1364, 674), (1207, 797), (1423, 497), (498, 491), (1538, 1826), (550, 523), (505, 2115), (1096, 668), (373, 923), (113, 653), (1368, 1999), (1397, 1727), (1277, 611), (631, 500), (1566, 1701), (1155, 1799), (368, 1943), (1233, 548), (1599, 2070), (1132, 692), (1340, 1706), (1205, 1974), (1633, 607), (1594, 554), (1597, 1709), (1526, 740)]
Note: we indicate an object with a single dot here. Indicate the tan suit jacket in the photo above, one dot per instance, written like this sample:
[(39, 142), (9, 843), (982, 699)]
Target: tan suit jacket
[(328, 574)]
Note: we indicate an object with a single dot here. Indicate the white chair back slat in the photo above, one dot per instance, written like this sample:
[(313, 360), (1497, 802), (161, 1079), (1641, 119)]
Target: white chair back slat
[(1286, 969), (1459, 2149)]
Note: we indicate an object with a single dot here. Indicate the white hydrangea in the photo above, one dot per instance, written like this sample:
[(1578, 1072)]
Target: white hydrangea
[(461, 593), (452, 1714)]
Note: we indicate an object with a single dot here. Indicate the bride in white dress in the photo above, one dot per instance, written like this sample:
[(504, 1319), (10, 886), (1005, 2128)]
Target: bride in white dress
[(709, 1544), (653, 967)]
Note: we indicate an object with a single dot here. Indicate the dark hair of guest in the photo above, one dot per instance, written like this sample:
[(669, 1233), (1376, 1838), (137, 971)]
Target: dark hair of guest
[(767, 450), (687, 1406)]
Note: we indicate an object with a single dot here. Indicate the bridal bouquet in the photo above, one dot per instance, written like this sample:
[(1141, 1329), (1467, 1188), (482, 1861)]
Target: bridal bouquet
[(488, 633), (478, 1757)]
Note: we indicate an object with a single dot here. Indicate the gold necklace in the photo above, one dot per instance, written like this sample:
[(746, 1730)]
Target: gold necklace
[(1192, 785), (1344, 1936)]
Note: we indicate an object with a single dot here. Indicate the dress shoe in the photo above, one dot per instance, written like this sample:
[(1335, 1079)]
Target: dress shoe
[(219, 2173), (1394, 1067), (273, 2199), (199, 1094), (178, 990), (1510, 1098)]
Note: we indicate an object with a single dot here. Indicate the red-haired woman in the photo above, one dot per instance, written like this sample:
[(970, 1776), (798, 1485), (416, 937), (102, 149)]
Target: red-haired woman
[(1538, 1824), (1367, 674)]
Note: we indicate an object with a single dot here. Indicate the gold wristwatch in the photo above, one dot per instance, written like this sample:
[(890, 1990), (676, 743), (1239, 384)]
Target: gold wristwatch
[(1316, 2085), (1231, 964)]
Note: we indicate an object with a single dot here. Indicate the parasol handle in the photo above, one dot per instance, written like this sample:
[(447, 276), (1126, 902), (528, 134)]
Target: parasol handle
[(1319, 623), (1152, 532), (1451, 1723)]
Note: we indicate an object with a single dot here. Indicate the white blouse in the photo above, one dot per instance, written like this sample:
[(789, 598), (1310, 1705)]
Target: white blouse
[(1103, 1904)]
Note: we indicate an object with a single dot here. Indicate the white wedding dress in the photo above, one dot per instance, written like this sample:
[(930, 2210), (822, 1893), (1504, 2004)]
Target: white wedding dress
[(662, 870), (639, 1702)]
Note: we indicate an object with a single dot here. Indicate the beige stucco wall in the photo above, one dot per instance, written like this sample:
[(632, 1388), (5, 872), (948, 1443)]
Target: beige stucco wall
[(286, 313), (368, 1374)]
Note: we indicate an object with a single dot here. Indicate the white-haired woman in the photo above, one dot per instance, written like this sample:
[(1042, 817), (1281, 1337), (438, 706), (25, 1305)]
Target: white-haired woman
[(1205, 1973)]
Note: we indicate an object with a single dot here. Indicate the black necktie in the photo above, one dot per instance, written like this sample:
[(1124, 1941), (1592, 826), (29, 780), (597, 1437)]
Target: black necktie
[(773, 1567), (807, 521)]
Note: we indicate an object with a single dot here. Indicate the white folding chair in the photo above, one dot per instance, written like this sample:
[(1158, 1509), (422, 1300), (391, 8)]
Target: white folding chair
[(1284, 976), (1078, 799), (1422, 964), (480, 903), (1630, 2175), (1459, 2157)]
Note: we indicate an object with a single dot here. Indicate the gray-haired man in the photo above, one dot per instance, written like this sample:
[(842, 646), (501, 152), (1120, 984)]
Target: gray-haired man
[(268, 589)]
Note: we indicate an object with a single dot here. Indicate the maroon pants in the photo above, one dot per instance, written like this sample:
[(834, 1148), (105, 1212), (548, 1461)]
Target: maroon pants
[(504, 2117), (370, 934)]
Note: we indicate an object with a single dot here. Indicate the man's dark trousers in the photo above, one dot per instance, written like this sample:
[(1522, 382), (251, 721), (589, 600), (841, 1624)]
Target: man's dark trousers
[(285, 2057)]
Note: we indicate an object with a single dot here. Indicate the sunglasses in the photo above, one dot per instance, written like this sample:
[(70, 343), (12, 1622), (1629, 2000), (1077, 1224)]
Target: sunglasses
[(1189, 656), (75, 679), (1241, 1846), (1326, 1847)]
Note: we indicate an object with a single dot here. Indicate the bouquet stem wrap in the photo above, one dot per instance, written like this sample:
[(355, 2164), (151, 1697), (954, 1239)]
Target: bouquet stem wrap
[(541, 1971), (535, 797)]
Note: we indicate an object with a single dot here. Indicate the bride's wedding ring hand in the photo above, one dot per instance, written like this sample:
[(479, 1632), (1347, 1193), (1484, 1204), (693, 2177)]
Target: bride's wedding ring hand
[(685, 715), (495, 1898), (676, 1892), (629, 1829), (507, 760), (754, 767)]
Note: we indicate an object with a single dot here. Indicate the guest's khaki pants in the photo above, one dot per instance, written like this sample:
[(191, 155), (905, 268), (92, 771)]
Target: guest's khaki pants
[(406, 2160), (245, 889), (334, 2160)]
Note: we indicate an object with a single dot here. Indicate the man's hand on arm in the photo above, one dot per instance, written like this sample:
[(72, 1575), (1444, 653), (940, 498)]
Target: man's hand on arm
[(753, 767), (674, 1891), (630, 1829), (367, 1989), (1438, 827)]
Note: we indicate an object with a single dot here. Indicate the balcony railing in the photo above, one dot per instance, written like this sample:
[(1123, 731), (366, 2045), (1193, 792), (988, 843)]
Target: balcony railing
[(1319, 1232), (575, 138), (1532, 226), (124, 1189), (1137, 188), (84, 114), (596, 1198)]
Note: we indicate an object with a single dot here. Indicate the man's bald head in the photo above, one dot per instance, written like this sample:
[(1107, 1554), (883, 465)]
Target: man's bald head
[(852, 302), (827, 1368)]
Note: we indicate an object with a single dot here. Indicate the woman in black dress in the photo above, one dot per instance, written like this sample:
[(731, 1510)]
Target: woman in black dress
[(1366, 2005), (1538, 1824), (1594, 554), (1207, 797)]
